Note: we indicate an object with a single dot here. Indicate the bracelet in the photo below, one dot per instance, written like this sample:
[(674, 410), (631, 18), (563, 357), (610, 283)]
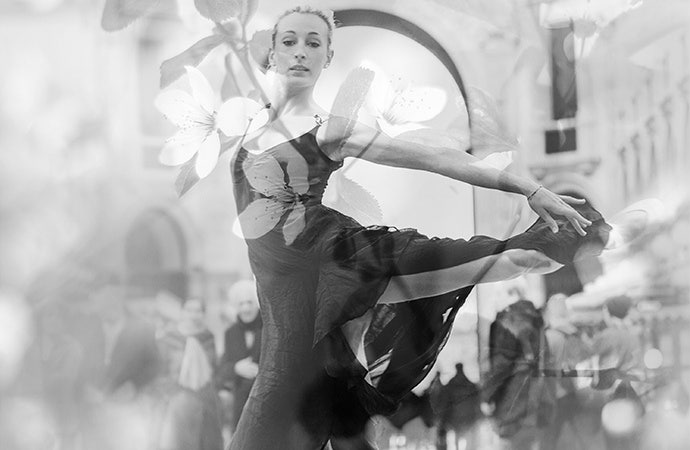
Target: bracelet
[(529, 197)]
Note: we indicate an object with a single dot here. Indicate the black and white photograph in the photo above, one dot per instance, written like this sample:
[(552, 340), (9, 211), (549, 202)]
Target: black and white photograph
[(345, 225)]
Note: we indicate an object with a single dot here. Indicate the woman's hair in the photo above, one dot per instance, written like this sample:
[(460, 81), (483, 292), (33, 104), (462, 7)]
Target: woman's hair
[(326, 16)]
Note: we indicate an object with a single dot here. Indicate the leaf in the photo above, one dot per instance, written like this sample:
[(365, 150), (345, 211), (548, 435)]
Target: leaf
[(259, 46), (117, 14), (249, 8), (355, 201), (187, 177), (348, 101), (219, 10), (174, 68), (488, 130), (230, 87)]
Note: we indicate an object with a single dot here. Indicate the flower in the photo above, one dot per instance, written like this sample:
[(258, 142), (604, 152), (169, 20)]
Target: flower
[(199, 121), (265, 175), (400, 105)]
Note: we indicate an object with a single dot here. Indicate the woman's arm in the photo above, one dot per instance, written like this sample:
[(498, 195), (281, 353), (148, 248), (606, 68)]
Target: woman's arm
[(372, 145)]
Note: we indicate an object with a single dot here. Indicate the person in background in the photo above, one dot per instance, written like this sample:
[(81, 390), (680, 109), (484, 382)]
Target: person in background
[(240, 361), (456, 406), (567, 349), (130, 363), (50, 374), (192, 417), (131, 356), (513, 392), (617, 350)]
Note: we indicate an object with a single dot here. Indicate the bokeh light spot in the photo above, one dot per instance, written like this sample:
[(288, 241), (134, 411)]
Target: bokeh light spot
[(653, 358), (619, 417)]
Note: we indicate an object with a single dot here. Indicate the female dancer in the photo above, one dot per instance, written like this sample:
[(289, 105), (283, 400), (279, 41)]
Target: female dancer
[(355, 316)]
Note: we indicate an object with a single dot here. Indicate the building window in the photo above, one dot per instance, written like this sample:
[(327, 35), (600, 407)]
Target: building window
[(558, 141), (564, 82)]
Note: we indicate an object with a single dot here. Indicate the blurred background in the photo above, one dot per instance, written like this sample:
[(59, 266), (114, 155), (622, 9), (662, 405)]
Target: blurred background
[(592, 98)]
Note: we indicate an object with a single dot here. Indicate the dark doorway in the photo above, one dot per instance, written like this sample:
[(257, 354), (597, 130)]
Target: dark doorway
[(156, 256)]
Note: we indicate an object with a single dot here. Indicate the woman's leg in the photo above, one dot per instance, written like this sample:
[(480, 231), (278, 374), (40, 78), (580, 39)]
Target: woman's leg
[(432, 267), (487, 269)]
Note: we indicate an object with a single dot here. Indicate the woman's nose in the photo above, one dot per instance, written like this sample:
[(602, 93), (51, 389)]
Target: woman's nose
[(300, 52)]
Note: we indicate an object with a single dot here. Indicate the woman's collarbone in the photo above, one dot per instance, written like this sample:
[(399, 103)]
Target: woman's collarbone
[(280, 131)]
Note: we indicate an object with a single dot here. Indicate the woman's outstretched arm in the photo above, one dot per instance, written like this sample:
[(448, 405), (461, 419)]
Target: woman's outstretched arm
[(372, 145)]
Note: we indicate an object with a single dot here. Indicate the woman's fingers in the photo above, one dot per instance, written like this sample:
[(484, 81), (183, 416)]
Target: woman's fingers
[(550, 203), (544, 214), (572, 200), (578, 227)]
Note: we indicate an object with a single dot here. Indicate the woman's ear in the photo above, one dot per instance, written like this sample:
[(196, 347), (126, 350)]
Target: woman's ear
[(329, 57), (271, 58)]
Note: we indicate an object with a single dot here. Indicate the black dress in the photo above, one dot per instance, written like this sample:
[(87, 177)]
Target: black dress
[(316, 269)]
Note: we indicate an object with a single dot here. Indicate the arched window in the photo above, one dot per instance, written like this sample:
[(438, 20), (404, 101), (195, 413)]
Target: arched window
[(156, 255), (403, 55)]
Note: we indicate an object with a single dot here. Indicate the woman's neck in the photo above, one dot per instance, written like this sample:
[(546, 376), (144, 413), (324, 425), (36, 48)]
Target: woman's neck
[(295, 102)]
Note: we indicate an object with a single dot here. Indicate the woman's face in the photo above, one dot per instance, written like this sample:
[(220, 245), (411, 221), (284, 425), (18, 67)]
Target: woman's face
[(193, 312), (301, 49)]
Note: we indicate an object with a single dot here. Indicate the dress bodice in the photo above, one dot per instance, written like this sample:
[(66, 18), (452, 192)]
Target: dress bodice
[(280, 184), (299, 158)]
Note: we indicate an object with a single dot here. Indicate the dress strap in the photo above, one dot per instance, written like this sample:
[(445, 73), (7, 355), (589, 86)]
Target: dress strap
[(366, 147)]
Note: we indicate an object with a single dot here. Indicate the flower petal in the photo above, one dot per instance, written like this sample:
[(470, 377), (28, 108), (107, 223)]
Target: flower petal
[(234, 115), (182, 109), (396, 130), (260, 217), (180, 148), (416, 104), (208, 155), (294, 224), (201, 89), (264, 174), (298, 174), (260, 120)]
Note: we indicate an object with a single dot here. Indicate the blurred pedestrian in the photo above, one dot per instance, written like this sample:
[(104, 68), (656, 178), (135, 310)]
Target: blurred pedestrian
[(617, 350), (240, 362), (192, 417), (456, 406), (567, 349), (513, 391)]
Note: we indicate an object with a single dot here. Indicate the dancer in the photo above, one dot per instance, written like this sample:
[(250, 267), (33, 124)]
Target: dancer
[(355, 316)]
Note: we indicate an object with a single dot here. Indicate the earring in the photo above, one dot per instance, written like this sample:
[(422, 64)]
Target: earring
[(326, 65)]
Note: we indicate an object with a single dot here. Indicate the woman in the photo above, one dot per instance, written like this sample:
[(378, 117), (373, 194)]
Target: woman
[(192, 416), (354, 317)]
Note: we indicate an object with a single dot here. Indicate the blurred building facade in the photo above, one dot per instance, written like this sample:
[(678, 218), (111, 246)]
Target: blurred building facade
[(599, 100)]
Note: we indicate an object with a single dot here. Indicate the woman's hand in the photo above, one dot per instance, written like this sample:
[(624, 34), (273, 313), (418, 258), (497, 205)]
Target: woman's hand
[(546, 204)]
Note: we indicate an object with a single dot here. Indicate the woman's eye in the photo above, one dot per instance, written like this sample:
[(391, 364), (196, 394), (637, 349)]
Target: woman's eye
[(315, 44), (288, 43)]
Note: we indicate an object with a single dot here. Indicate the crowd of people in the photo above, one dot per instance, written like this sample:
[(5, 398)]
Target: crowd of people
[(113, 371), (551, 376)]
